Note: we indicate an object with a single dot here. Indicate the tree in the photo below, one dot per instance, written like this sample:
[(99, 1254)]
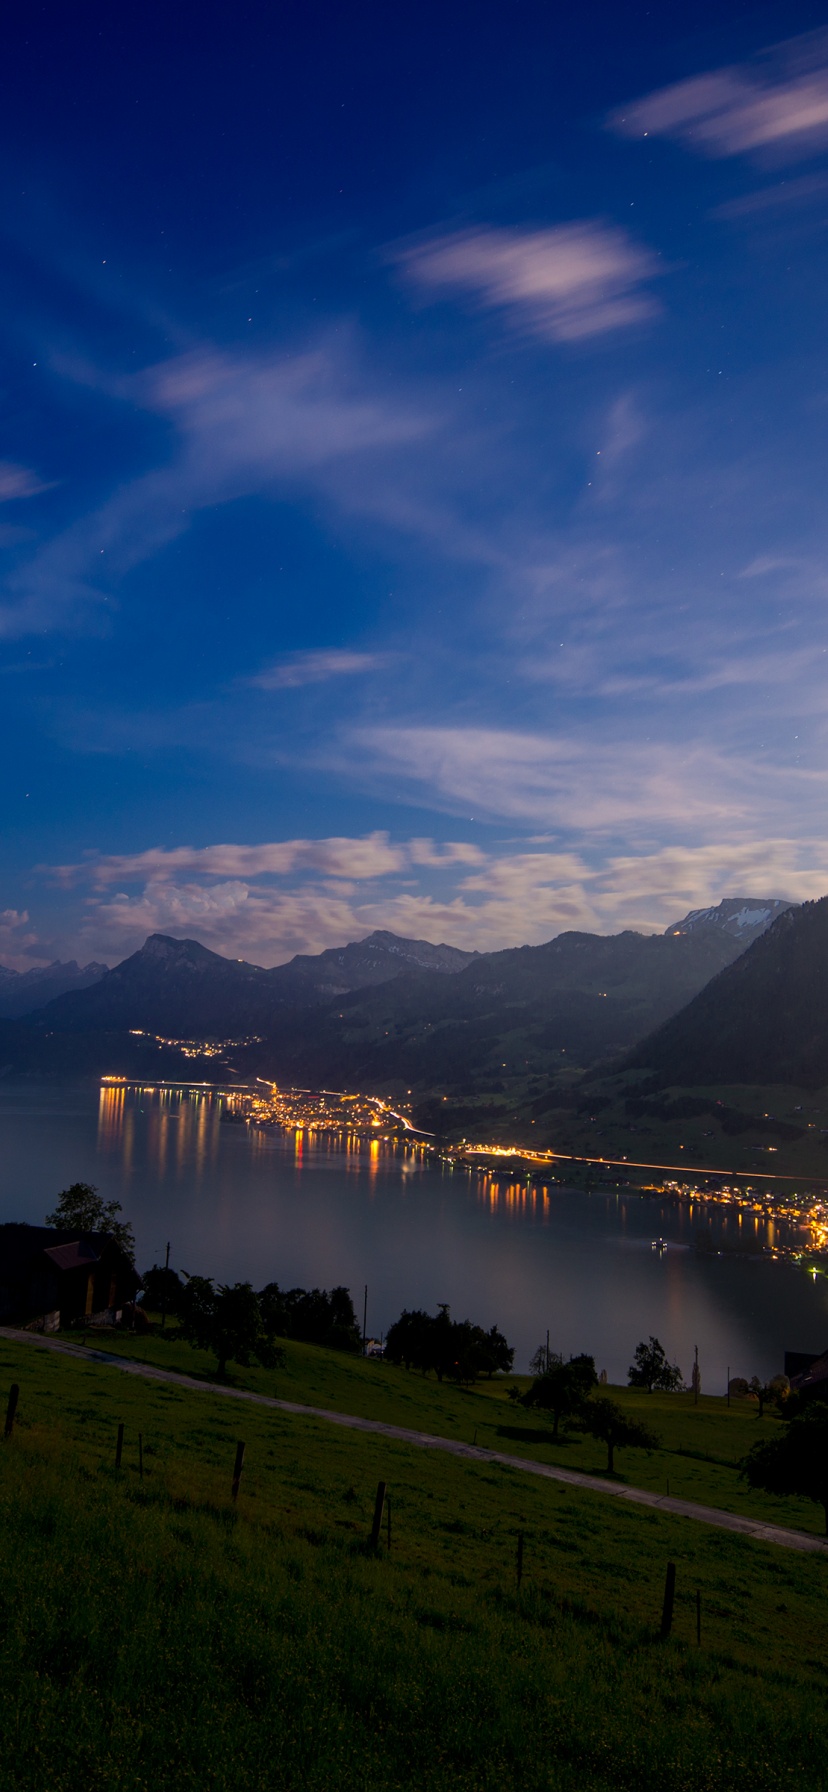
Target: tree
[(454, 1348), (407, 1340), (776, 1390), (228, 1321), (80, 1208), (563, 1388), (652, 1370), (795, 1462), (313, 1316), (442, 1348), (163, 1290), (497, 1356), (605, 1419), (469, 1351)]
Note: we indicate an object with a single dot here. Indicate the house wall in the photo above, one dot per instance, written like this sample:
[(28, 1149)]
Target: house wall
[(46, 1322), (32, 1291), (37, 1293)]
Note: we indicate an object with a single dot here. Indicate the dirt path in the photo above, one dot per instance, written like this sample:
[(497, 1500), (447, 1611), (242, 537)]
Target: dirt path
[(636, 1496)]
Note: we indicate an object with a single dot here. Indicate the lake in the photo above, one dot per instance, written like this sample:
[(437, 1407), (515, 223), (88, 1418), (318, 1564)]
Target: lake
[(243, 1204)]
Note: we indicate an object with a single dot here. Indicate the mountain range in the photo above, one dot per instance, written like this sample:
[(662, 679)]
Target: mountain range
[(23, 992), (763, 1020), (179, 989), (390, 1012)]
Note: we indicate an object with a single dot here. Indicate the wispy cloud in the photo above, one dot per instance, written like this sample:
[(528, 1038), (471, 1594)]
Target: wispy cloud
[(482, 901), (370, 856), (777, 103), (583, 783), (566, 283), (807, 190), (297, 669), (18, 940), (19, 482), (241, 424), (269, 414)]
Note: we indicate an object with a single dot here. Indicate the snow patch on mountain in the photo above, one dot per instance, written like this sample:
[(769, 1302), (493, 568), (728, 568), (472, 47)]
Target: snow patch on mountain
[(743, 917)]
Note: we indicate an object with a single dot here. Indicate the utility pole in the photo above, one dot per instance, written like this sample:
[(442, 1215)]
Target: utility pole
[(164, 1295), (696, 1378), (365, 1318), (547, 1350), (728, 1384)]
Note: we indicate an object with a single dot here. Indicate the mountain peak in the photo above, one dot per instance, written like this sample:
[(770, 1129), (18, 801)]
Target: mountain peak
[(161, 949), (162, 945), (23, 992), (743, 917), (763, 1020)]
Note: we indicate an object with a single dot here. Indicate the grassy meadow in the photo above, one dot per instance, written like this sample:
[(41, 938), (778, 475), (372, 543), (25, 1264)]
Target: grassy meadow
[(701, 1445), (152, 1634), (766, 1130)]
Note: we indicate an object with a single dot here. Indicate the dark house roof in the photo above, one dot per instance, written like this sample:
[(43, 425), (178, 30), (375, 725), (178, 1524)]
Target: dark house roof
[(43, 1268), (798, 1362), (814, 1378), (20, 1245), (73, 1256)]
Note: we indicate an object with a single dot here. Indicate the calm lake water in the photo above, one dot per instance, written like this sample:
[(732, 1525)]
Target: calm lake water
[(241, 1204)]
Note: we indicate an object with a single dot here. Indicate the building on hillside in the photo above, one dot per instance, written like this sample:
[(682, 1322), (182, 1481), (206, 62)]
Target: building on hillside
[(51, 1277), (808, 1375)]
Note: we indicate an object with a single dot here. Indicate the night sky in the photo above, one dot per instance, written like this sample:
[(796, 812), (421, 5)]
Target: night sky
[(413, 469)]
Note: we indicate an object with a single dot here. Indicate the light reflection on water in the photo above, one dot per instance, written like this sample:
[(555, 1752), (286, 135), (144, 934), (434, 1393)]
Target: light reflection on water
[(316, 1209)]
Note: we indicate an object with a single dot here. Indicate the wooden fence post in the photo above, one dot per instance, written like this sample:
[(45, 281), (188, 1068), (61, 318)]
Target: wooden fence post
[(698, 1616), (519, 1559), (140, 1455), (382, 1489), (119, 1446), (14, 1396), (239, 1464), (388, 1522), (669, 1597)]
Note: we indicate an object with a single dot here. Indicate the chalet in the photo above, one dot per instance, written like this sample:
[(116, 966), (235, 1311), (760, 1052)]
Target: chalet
[(51, 1278), (808, 1374)]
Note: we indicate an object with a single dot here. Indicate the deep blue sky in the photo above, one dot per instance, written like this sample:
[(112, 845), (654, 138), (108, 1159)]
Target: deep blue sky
[(412, 482)]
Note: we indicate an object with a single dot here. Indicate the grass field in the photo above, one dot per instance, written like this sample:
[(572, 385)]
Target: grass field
[(760, 1147), (154, 1635), (701, 1445)]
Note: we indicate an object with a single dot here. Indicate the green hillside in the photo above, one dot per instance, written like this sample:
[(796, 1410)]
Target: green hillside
[(700, 1445), (154, 1635), (765, 1130), (762, 1020)]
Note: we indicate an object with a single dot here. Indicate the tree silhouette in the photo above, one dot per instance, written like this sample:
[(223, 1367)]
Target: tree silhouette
[(605, 1419), (453, 1348), (651, 1369), (767, 1392), (228, 1321), (163, 1290), (794, 1462), (313, 1315), (80, 1208), (563, 1388)]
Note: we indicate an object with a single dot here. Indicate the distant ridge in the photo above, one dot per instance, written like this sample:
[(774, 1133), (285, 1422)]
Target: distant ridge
[(23, 992), (182, 989), (527, 1012), (743, 917), (763, 1020), (391, 1013)]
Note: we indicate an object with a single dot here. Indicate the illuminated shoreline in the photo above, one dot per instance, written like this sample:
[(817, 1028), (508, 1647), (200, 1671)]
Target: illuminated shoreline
[(319, 1112)]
